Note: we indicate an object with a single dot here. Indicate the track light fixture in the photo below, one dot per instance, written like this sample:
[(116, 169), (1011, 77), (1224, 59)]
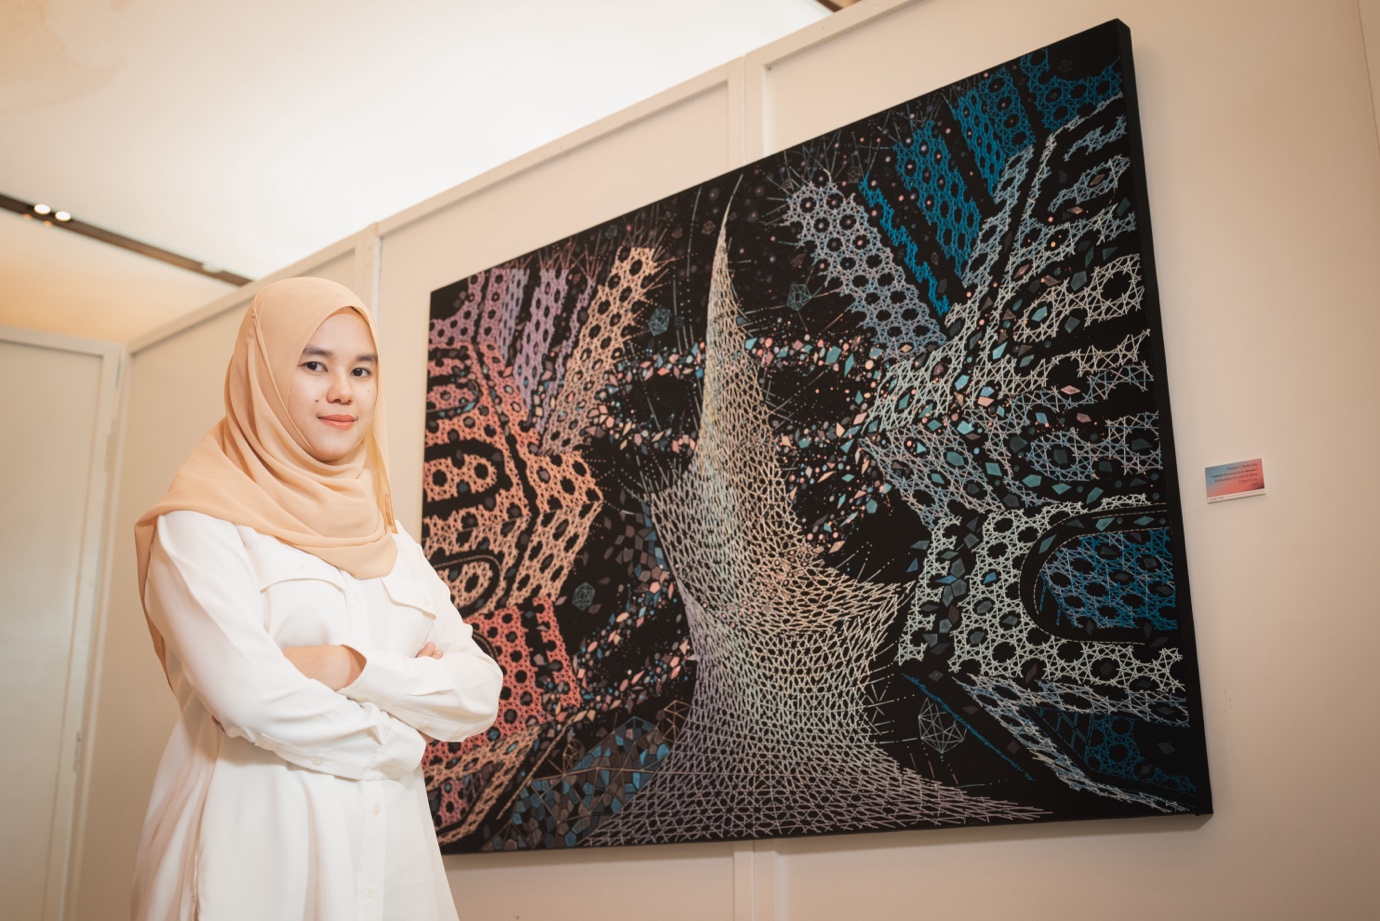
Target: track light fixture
[(65, 220)]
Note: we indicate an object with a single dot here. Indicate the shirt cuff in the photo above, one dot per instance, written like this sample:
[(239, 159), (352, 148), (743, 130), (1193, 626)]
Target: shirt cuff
[(389, 677), (399, 755)]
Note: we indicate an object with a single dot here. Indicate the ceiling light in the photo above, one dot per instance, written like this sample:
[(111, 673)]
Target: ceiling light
[(50, 218)]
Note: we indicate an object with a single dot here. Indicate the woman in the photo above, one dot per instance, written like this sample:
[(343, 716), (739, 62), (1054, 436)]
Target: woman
[(311, 647)]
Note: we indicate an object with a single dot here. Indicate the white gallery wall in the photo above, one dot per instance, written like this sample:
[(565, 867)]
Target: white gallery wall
[(1264, 183), (58, 423)]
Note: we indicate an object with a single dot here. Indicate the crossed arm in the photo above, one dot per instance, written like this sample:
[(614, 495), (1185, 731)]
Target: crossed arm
[(368, 711), (338, 666)]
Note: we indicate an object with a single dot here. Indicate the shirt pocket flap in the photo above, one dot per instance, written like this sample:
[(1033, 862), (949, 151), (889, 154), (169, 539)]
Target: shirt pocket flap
[(285, 564), (412, 593)]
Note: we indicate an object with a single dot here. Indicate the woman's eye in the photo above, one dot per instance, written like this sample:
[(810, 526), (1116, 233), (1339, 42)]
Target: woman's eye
[(313, 366), (362, 372)]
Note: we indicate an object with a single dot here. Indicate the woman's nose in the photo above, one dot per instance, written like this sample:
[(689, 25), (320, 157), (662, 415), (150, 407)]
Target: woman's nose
[(339, 390)]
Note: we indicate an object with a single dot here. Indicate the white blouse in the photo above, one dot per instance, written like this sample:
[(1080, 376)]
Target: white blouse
[(303, 803)]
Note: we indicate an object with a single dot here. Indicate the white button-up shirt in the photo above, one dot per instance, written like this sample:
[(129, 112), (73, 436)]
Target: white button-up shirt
[(303, 803)]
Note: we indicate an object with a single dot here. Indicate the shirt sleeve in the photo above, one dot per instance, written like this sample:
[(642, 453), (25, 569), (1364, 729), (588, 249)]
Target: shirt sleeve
[(203, 598), (450, 698)]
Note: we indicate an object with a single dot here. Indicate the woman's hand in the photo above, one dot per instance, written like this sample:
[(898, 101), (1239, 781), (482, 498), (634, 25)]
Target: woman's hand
[(333, 666)]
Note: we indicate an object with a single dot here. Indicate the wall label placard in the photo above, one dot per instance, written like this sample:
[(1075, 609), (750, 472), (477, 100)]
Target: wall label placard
[(1236, 480)]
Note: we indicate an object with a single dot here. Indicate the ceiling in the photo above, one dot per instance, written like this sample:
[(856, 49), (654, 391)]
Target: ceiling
[(250, 135)]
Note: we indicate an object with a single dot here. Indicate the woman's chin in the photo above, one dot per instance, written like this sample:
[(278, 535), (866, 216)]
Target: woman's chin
[(332, 450)]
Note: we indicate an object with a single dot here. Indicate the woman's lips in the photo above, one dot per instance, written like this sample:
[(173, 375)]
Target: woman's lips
[(340, 422)]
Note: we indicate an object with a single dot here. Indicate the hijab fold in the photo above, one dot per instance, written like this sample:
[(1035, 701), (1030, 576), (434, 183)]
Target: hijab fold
[(254, 468)]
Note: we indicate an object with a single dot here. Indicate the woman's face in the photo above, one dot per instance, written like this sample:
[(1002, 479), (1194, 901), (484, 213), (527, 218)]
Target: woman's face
[(333, 389)]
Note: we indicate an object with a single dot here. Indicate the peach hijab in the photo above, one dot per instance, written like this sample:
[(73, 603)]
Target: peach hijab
[(253, 467)]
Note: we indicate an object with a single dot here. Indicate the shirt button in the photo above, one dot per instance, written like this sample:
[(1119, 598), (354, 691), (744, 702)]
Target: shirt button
[(377, 809), (369, 892), (318, 761), (301, 567)]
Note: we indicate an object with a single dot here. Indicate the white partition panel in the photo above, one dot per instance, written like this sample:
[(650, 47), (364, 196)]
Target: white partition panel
[(341, 269), (57, 421)]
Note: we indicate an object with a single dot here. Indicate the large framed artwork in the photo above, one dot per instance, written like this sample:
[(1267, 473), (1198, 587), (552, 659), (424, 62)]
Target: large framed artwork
[(834, 494)]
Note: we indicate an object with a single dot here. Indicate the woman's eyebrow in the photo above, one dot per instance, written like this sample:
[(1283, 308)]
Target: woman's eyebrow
[(317, 352)]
